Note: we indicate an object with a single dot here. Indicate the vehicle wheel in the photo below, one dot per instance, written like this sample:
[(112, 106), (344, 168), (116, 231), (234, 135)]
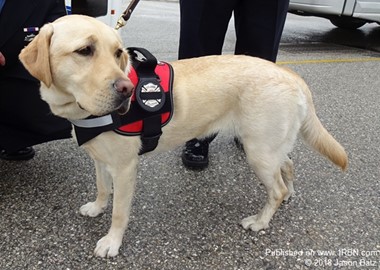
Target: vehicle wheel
[(347, 22)]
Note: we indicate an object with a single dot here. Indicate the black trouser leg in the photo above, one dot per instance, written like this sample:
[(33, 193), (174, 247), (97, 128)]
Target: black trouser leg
[(259, 25)]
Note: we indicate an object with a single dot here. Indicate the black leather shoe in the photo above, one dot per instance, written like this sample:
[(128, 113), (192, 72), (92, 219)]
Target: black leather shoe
[(22, 154), (195, 154)]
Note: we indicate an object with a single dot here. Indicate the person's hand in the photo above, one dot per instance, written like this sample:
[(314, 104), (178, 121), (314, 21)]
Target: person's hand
[(2, 59)]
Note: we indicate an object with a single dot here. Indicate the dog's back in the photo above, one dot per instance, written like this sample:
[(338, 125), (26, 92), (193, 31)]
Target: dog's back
[(259, 101)]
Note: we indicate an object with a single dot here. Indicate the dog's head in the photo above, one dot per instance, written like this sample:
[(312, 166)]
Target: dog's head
[(82, 66)]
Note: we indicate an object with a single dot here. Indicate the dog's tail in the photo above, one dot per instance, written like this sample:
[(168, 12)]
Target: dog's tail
[(315, 134)]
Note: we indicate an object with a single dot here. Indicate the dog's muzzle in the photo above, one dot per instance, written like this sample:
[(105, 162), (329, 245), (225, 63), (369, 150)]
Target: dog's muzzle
[(125, 89)]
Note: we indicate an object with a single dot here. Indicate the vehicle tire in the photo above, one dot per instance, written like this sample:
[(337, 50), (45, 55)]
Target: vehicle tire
[(347, 22)]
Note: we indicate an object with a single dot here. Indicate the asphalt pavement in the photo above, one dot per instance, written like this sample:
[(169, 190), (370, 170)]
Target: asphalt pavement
[(183, 219)]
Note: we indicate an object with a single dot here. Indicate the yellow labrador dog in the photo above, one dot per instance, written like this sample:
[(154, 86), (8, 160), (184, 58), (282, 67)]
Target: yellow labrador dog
[(83, 68)]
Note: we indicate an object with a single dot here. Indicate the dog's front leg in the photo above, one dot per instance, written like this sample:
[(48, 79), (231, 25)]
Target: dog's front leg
[(124, 180), (104, 187)]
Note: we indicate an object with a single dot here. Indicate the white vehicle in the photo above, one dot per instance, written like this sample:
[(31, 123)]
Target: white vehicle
[(349, 14), (107, 11)]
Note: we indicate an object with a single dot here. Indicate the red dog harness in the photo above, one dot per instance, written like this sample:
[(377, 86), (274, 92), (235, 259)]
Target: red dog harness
[(151, 105)]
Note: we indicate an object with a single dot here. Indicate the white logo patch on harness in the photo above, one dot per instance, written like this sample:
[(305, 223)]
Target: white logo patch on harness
[(151, 87)]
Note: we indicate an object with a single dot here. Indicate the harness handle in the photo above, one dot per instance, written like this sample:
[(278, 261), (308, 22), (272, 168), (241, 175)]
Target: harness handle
[(147, 64), (149, 93)]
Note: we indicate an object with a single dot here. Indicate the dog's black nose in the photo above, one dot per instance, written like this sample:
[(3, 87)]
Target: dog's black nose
[(124, 87)]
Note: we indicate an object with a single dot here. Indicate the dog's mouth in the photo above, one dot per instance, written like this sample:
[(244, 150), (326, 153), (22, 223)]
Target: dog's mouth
[(81, 107), (124, 107)]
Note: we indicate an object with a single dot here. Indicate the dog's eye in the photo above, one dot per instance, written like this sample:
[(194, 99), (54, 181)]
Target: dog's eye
[(118, 53), (86, 51)]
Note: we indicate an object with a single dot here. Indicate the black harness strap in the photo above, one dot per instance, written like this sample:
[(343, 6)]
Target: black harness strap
[(84, 133), (145, 70), (150, 134)]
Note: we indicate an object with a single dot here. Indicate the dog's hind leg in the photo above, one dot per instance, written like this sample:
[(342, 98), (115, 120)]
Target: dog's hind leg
[(267, 169), (287, 173), (104, 187)]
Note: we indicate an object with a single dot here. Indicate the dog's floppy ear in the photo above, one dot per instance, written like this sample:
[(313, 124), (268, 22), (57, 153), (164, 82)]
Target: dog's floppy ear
[(35, 56)]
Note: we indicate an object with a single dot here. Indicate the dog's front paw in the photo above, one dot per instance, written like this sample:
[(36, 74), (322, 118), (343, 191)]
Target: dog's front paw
[(254, 223), (108, 246), (91, 209)]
